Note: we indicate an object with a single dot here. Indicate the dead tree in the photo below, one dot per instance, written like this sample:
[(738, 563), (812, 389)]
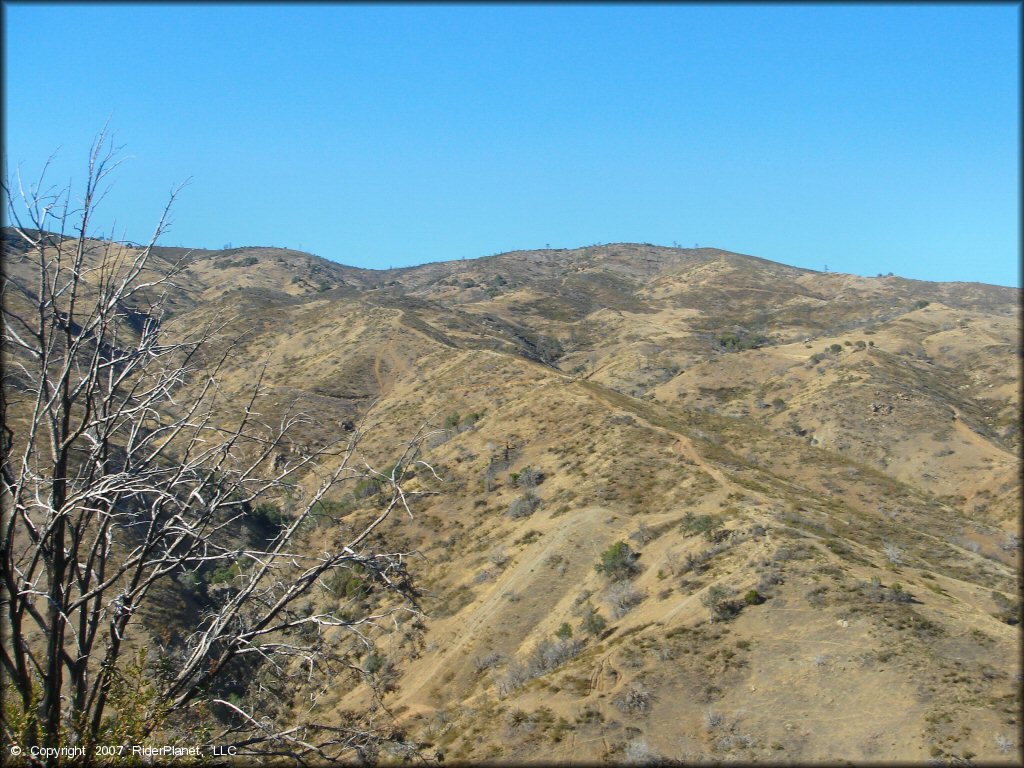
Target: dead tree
[(127, 470)]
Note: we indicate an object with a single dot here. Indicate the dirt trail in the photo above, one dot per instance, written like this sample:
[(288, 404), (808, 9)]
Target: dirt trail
[(586, 527), (973, 438), (684, 447), (687, 450)]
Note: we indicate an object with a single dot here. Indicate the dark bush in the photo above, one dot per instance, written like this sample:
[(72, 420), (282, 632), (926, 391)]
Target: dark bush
[(269, 516)]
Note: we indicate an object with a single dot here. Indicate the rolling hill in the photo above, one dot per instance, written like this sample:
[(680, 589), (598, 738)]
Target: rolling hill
[(692, 505)]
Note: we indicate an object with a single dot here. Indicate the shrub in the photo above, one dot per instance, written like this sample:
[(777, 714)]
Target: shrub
[(893, 553), (498, 557), (753, 597), (876, 592), (451, 422), (470, 419), (618, 562), (492, 659), (226, 574), (366, 487), (635, 700), (374, 663), (529, 478), (326, 511), (642, 534), (593, 622), (737, 342), (268, 515), (623, 597), (637, 751), (515, 677), (524, 506), (564, 632), (549, 655), (191, 580), (706, 524), (1007, 610), (348, 583), (717, 599), (835, 349)]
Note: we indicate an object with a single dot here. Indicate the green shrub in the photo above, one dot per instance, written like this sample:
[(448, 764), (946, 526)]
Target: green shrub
[(753, 597), (706, 524), (225, 574), (348, 583), (593, 622), (327, 511), (737, 342), (366, 487), (564, 632), (618, 562), (374, 663)]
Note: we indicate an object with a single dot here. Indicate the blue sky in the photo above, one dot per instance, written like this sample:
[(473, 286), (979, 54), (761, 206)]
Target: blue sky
[(870, 138)]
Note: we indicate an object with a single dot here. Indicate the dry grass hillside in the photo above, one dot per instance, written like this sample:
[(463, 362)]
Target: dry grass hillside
[(692, 505)]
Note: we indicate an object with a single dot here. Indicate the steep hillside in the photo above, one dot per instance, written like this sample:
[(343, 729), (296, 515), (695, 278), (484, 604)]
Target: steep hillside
[(690, 504)]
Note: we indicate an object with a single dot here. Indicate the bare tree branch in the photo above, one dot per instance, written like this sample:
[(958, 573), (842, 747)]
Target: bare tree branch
[(127, 471)]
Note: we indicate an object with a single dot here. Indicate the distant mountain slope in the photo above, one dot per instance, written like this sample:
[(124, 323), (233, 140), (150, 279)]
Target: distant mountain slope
[(818, 475)]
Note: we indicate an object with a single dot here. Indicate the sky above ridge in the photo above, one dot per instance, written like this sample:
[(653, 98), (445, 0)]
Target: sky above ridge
[(865, 138)]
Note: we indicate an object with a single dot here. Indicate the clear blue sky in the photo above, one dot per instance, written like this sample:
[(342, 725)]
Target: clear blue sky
[(869, 138)]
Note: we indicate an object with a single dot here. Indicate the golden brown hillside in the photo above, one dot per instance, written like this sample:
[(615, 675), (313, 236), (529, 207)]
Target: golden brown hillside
[(691, 505)]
